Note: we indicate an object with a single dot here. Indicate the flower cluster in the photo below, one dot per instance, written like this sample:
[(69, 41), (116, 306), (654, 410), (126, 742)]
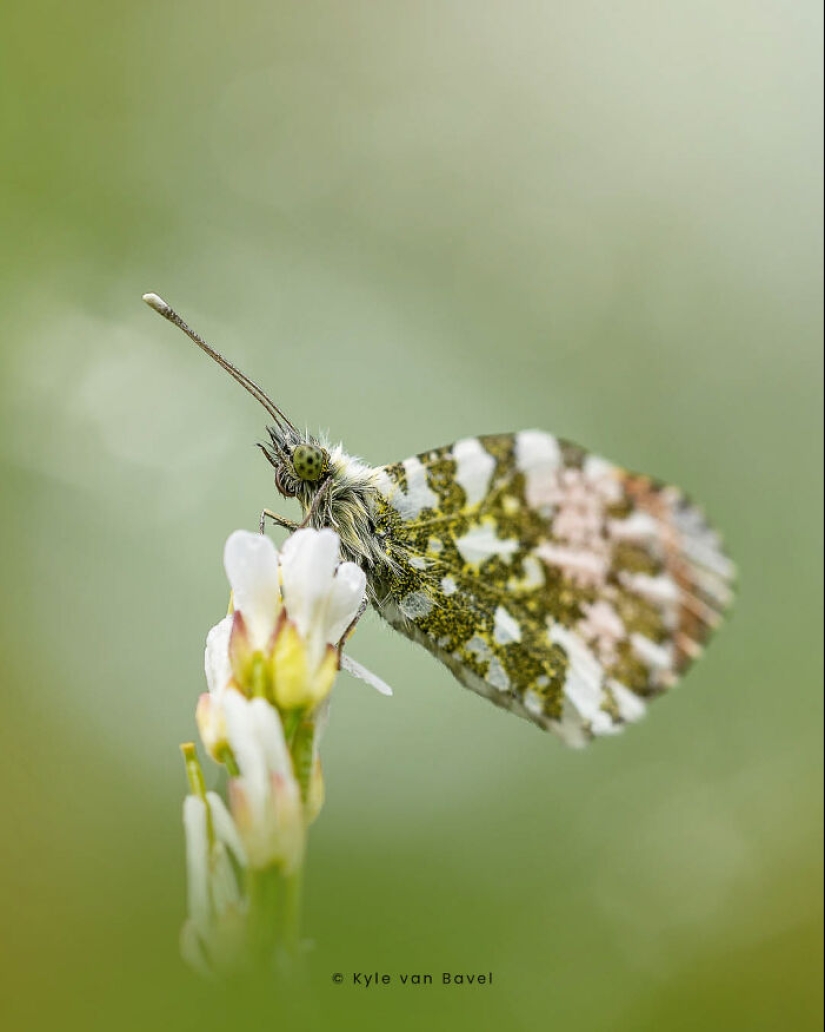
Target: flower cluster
[(270, 665)]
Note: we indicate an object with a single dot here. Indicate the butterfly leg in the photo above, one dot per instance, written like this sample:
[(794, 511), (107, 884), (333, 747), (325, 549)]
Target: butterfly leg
[(279, 521), (348, 632), (282, 521), (316, 503)]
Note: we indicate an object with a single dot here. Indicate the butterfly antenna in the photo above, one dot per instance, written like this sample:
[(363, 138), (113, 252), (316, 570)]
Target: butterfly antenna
[(162, 308)]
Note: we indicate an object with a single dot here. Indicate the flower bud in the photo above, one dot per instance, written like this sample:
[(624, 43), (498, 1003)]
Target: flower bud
[(212, 724), (213, 937)]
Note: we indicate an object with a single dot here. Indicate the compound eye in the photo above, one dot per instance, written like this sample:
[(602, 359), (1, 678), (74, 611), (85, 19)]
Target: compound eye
[(309, 462)]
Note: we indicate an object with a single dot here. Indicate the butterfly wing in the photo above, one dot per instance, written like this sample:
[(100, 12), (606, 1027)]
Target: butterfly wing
[(549, 580)]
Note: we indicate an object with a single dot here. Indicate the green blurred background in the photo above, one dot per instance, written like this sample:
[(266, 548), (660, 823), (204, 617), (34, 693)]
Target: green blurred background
[(411, 222)]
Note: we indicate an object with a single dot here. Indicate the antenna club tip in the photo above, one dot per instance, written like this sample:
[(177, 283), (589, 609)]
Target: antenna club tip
[(156, 302)]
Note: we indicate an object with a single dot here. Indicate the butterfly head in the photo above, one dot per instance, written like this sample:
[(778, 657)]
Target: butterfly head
[(300, 462)]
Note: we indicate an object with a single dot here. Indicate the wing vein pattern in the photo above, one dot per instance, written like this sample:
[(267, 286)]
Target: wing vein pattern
[(552, 582)]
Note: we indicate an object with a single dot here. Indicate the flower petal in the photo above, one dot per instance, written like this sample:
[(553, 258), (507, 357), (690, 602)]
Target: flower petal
[(225, 830), (309, 558), (256, 737), (216, 656), (345, 598), (226, 893), (251, 563), (197, 862), (246, 749), (270, 735)]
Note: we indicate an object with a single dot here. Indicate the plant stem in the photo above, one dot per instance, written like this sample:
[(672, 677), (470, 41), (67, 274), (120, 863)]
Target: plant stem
[(263, 890), (301, 752), (292, 885)]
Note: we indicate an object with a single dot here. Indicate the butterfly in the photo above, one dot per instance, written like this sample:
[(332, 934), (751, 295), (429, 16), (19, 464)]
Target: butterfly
[(548, 580)]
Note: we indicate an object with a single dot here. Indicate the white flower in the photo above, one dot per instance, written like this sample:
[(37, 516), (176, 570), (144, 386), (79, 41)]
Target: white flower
[(212, 939), (290, 611), (218, 668), (269, 666), (251, 563), (216, 656), (322, 597), (265, 797)]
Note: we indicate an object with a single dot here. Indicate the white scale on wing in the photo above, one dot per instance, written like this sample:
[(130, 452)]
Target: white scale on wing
[(474, 469), (481, 543), (584, 686), (408, 504), (538, 457), (506, 628)]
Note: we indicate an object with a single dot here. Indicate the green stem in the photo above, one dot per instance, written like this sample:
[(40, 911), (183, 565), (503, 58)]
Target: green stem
[(301, 742), (263, 889), (274, 921), (197, 784), (225, 757), (301, 750), (291, 931), (302, 758), (194, 773)]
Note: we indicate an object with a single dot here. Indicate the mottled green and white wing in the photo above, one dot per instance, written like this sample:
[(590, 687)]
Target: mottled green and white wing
[(549, 580)]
